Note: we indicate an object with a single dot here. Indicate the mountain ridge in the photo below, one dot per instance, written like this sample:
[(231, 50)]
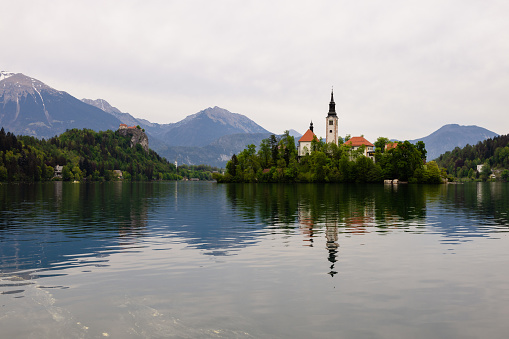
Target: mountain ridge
[(450, 136)]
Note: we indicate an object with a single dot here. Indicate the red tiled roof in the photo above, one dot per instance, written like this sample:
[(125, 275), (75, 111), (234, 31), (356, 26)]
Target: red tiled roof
[(391, 145), (308, 136), (358, 141)]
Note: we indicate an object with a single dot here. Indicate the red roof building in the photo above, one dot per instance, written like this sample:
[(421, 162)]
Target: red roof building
[(357, 142), (391, 145), (305, 141), (308, 136), (124, 126)]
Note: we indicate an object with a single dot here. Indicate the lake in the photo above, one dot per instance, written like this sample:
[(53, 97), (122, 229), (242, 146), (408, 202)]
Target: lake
[(207, 260)]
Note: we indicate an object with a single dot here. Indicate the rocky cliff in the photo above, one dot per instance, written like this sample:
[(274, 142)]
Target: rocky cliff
[(137, 137)]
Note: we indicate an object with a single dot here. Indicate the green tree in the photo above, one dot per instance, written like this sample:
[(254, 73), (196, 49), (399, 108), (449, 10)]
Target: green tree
[(485, 172), (505, 175), (67, 173), (380, 144), (3, 173)]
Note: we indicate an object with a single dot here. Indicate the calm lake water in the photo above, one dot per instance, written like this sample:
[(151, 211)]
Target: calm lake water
[(207, 260)]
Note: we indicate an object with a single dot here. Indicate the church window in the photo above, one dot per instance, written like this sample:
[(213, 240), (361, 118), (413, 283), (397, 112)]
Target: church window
[(331, 122)]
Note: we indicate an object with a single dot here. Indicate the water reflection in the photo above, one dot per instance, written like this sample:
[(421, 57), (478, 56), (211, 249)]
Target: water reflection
[(372, 208), (42, 226), (48, 227), (457, 212), (208, 260)]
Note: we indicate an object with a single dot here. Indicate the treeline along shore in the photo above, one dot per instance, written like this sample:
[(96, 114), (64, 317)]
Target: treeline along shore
[(86, 155), (277, 160)]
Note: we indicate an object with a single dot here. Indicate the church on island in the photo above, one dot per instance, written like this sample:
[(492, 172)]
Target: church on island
[(331, 128)]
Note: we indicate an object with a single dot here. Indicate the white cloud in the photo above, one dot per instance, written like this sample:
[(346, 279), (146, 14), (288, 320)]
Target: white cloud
[(400, 69)]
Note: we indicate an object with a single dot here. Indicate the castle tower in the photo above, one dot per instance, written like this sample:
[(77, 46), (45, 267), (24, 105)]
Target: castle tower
[(331, 127)]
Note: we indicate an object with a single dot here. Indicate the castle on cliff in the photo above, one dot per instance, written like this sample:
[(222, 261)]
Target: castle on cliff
[(137, 135)]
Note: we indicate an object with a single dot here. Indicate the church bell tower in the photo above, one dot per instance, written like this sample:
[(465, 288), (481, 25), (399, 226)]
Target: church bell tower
[(331, 127)]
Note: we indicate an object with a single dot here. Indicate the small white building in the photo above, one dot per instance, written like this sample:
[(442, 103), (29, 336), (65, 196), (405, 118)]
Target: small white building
[(305, 141), (58, 171)]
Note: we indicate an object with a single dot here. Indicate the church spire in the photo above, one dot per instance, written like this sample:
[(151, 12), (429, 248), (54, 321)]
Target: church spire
[(332, 104), (311, 126), (332, 121)]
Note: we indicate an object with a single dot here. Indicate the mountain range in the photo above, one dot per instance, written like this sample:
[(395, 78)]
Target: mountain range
[(211, 136)]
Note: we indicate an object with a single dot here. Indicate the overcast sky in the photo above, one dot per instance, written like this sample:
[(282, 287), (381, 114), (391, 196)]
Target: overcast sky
[(400, 69)]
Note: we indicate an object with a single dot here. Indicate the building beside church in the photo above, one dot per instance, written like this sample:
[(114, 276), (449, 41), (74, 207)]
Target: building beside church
[(357, 142)]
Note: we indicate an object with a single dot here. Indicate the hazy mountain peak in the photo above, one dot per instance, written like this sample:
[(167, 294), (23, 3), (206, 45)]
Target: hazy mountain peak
[(202, 128), (447, 137), (102, 104)]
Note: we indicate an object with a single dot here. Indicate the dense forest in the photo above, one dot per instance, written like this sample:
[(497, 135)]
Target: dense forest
[(86, 155), (492, 153), (277, 161)]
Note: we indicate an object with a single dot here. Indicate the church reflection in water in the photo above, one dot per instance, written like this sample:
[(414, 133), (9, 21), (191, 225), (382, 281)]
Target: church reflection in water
[(356, 221), (307, 228)]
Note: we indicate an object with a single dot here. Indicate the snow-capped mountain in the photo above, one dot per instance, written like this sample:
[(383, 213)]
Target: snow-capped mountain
[(5, 75), (30, 107)]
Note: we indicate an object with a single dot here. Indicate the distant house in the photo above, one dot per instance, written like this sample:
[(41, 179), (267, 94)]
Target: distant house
[(305, 141), (357, 142), (479, 168), (390, 145), (58, 171)]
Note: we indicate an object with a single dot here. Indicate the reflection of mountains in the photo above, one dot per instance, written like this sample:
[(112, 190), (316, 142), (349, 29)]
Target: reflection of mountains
[(45, 224)]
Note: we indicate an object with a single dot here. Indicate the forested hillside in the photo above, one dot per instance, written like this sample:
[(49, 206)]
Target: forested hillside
[(84, 155), (493, 153)]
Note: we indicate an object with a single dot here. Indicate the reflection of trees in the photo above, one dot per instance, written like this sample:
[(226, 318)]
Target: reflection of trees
[(471, 207), (115, 206), (490, 199), (330, 209), (275, 204), (345, 205), (93, 215)]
